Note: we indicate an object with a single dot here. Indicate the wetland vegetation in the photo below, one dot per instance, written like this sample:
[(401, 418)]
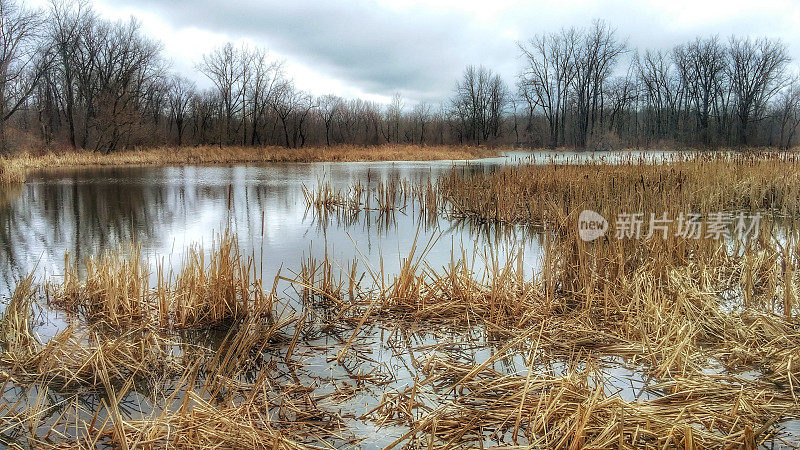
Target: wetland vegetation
[(520, 334)]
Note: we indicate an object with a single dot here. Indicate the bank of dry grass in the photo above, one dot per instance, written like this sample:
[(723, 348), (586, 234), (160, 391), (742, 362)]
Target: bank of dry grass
[(12, 171), (700, 183), (15, 168)]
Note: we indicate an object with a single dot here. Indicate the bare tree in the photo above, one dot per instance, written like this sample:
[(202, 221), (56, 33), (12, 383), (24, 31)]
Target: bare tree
[(23, 60), (125, 65), (757, 72), (788, 112), (267, 78), (330, 106), (662, 88), (68, 20), (394, 115), (224, 67), (597, 56), (550, 67), (421, 115), (292, 107), (181, 93), (706, 62), (480, 99)]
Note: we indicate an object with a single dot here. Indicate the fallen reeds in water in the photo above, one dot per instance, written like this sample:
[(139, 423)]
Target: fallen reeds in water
[(73, 359), (575, 411)]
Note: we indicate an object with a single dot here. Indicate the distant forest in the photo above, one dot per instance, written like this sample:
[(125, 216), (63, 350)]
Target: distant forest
[(70, 79)]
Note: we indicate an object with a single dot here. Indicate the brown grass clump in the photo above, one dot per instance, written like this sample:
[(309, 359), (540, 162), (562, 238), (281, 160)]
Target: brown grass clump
[(75, 358), (12, 171), (15, 325), (211, 291), (498, 297), (115, 287)]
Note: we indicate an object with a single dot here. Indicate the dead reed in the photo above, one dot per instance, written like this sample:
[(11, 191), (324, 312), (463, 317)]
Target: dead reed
[(16, 333), (223, 289), (575, 410), (12, 171), (211, 289), (697, 183), (114, 288)]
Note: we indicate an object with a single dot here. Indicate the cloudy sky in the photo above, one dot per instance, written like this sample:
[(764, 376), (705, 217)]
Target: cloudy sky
[(372, 49)]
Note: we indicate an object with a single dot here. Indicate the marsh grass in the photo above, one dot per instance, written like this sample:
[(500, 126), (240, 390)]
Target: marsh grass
[(12, 171), (674, 307), (212, 290), (700, 183), (114, 287), (16, 333), (711, 325), (574, 410)]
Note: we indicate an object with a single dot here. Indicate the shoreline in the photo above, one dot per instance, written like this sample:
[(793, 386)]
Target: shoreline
[(15, 169)]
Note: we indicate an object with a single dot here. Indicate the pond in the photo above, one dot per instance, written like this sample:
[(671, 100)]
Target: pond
[(168, 209)]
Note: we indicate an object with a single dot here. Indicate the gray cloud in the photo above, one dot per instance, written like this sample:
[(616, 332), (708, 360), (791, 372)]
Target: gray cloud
[(420, 53)]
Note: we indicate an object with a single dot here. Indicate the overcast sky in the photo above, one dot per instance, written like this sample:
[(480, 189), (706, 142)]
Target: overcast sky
[(372, 49)]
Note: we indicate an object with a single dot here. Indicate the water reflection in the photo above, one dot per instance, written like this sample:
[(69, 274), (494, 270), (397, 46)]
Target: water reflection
[(166, 209)]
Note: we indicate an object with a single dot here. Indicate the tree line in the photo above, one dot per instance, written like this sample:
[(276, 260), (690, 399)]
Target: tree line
[(71, 79)]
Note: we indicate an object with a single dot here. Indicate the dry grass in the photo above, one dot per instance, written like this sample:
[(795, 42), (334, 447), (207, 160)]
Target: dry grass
[(16, 168), (539, 194), (221, 290), (676, 308), (12, 171), (114, 289), (15, 326), (76, 358), (211, 289), (574, 410), (202, 397)]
